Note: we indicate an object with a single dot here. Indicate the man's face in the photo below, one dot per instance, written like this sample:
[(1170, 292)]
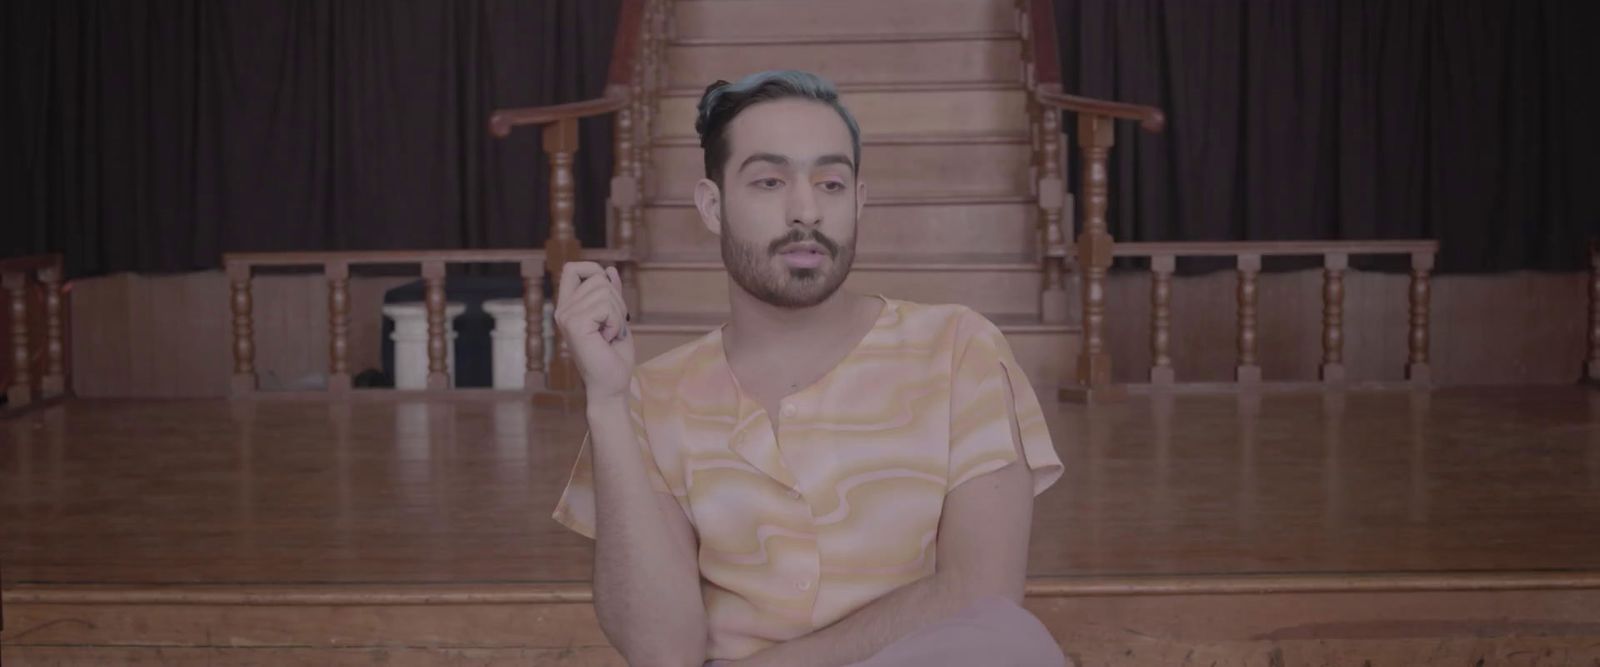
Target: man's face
[(789, 202)]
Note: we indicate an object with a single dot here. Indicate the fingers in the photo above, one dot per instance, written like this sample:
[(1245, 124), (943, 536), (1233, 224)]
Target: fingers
[(592, 300), (594, 309), (573, 275)]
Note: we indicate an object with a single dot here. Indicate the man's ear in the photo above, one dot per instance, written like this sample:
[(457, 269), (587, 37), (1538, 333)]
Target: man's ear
[(861, 198), (708, 200)]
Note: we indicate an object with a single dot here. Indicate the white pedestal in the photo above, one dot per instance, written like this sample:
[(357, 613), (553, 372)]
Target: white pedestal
[(411, 342), (510, 351)]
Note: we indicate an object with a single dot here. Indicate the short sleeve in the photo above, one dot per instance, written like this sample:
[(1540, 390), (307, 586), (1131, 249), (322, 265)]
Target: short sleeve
[(576, 509), (992, 407)]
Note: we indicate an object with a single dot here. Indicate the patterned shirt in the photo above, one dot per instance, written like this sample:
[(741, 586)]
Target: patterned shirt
[(799, 528)]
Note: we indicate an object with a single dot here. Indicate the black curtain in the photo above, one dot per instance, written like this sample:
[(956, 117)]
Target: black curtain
[(1469, 121), (154, 135)]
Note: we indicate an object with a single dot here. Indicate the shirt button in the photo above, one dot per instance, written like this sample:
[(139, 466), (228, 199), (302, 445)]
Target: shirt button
[(789, 410), (804, 585)]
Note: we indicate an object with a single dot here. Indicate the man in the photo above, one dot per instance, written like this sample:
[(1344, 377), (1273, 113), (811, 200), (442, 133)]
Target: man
[(830, 478)]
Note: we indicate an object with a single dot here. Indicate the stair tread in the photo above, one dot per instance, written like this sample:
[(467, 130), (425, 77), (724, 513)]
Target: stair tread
[(884, 87), (904, 261), (851, 38), (924, 138), (907, 199)]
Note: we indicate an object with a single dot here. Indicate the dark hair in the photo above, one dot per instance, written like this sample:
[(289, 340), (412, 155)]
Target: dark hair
[(723, 101)]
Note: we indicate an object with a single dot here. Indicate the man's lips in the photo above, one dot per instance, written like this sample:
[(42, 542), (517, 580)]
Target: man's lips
[(803, 255)]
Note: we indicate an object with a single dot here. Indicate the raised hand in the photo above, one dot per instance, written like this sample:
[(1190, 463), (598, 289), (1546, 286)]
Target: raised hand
[(594, 320)]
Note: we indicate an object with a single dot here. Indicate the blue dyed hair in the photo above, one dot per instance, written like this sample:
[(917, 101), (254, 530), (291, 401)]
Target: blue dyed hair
[(723, 101)]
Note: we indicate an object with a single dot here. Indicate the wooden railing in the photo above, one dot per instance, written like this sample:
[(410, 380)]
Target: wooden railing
[(37, 363), (633, 83), (1096, 248), (1042, 73), (336, 267), (1247, 254)]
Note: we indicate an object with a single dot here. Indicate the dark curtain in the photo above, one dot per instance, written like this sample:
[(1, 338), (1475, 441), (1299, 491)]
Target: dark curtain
[(154, 135), (1468, 121)]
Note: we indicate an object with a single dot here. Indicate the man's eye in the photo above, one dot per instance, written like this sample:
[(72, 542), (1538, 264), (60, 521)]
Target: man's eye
[(832, 186), (768, 183)]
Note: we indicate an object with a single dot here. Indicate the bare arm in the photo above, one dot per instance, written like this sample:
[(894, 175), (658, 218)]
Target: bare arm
[(982, 551), (646, 580)]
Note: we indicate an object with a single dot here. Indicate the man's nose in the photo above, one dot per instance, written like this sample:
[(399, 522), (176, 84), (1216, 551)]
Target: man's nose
[(803, 206)]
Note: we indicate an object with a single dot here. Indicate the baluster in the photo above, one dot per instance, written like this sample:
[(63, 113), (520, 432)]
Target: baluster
[(338, 275), (438, 333), (1333, 267), (639, 102), (651, 81), (1161, 268), (533, 316), (244, 343), (1417, 370), (1095, 138), (663, 32), (560, 142), (1248, 372), (625, 200), (1052, 191), (20, 392), (54, 382)]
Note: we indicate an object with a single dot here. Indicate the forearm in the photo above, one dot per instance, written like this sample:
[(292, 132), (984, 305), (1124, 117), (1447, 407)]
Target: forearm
[(871, 628), (647, 599)]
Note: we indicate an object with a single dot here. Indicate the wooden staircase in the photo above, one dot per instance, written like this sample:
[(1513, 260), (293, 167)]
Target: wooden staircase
[(953, 211)]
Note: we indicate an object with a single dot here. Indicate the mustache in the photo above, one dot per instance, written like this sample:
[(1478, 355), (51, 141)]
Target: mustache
[(798, 236)]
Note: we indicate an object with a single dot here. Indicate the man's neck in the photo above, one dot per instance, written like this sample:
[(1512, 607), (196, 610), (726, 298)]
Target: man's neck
[(756, 325)]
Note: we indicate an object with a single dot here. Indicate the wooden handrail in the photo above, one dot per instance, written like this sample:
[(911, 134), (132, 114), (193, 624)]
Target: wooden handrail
[(501, 122), (1150, 118), (1044, 77), (352, 257), (619, 80), (1272, 248), (1040, 31), (44, 272)]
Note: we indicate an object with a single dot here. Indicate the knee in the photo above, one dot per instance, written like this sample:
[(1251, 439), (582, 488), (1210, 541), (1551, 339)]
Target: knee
[(1024, 638)]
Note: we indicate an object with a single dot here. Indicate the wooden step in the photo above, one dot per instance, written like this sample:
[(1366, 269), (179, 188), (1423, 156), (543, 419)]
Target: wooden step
[(856, 59), (1047, 352), (1424, 620), (696, 19), (934, 108), (955, 164), (1000, 285), (924, 223)]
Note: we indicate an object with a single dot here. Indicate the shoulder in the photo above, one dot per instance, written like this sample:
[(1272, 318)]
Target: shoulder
[(954, 325)]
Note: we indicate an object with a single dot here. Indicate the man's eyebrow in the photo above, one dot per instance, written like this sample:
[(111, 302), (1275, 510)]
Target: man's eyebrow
[(837, 158), (774, 158)]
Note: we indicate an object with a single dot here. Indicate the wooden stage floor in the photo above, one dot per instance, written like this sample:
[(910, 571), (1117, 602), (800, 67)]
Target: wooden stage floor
[(293, 493)]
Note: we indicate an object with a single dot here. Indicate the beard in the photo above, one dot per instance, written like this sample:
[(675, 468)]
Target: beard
[(751, 265)]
